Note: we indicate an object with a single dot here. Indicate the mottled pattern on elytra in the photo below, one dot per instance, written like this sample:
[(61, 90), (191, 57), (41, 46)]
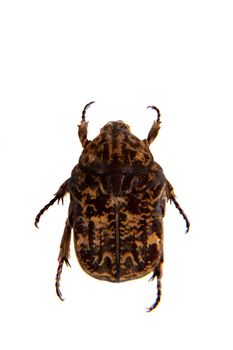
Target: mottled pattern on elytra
[(118, 205)]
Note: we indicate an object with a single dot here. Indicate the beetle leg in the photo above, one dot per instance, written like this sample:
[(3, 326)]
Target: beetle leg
[(58, 196), (155, 127), (173, 199), (171, 195), (82, 128), (157, 273), (63, 255)]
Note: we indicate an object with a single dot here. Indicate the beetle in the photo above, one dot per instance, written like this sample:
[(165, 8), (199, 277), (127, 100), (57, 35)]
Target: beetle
[(118, 195)]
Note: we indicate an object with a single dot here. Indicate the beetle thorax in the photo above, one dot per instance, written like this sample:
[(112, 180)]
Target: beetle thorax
[(115, 149)]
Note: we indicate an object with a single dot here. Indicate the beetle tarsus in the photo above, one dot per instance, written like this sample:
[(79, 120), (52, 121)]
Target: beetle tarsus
[(63, 255), (58, 277), (158, 272), (58, 197), (84, 110), (155, 127), (158, 112), (173, 199), (82, 128), (46, 207), (159, 293)]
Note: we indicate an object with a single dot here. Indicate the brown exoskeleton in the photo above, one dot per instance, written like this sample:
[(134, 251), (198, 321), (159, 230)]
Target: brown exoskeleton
[(118, 195)]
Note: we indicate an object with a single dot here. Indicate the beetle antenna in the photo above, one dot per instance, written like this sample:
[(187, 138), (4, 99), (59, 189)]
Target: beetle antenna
[(84, 110), (157, 110)]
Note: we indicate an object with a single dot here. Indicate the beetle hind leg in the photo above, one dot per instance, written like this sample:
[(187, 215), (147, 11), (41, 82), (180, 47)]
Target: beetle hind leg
[(58, 276), (158, 272), (63, 256)]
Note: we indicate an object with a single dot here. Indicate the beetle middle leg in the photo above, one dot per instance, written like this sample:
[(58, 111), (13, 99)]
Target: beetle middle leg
[(58, 197), (171, 195), (63, 254)]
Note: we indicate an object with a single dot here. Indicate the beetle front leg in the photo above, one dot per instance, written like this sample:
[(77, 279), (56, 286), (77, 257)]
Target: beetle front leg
[(171, 195), (63, 255), (155, 127), (58, 196), (82, 128)]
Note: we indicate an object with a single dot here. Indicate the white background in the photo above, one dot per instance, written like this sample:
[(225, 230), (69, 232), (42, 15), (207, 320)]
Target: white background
[(56, 56)]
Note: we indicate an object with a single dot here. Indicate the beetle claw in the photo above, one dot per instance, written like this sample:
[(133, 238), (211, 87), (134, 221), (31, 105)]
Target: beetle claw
[(59, 294), (153, 306)]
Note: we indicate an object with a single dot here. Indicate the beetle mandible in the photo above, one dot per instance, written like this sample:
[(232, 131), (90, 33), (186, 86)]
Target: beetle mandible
[(118, 195)]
